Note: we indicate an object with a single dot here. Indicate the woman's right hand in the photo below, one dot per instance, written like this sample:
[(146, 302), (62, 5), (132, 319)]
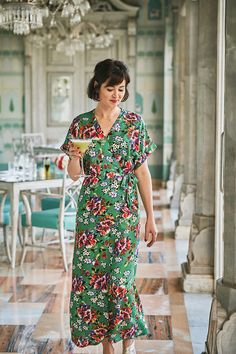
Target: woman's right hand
[(75, 153), (74, 167)]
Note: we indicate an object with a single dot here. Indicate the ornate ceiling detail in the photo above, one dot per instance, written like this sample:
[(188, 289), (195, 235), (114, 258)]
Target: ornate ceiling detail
[(113, 5), (98, 5)]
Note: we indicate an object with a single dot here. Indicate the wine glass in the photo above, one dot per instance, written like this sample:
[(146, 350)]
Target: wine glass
[(83, 145)]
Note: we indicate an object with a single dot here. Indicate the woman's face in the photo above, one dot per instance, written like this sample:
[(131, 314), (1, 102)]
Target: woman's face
[(111, 96)]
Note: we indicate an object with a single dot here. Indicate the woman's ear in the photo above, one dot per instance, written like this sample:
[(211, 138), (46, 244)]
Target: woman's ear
[(96, 90)]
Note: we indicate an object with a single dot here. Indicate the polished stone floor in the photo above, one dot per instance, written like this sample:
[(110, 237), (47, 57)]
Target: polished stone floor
[(34, 299)]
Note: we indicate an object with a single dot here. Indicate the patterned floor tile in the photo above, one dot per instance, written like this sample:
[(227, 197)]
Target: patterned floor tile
[(21, 341), (6, 334), (152, 286), (52, 326), (151, 257), (160, 327), (155, 304), (154, 347), (9, 284), (57, 303), (150, 271), (32, 293), (64, 286), (43, 277), (156, 247), (20, 313), (4, 297)]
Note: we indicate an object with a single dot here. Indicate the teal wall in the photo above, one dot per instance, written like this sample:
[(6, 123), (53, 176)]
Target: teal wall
[(11, 92)]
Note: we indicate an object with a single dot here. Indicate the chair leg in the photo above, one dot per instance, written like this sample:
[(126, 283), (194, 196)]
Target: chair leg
[(25, 241), (63, 248), (20, 234), (33, 241), (6, 243), (43, 235)]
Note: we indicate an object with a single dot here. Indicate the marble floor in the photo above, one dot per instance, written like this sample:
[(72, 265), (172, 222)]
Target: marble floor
[(34, 298)]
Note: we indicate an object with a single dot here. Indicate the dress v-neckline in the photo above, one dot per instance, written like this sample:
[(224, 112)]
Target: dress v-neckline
[(116, 120)]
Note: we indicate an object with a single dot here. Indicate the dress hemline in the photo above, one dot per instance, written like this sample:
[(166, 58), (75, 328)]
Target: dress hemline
[(143, 333)]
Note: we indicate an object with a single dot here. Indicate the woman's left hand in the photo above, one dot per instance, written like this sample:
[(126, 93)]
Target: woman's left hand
[(150, 228)]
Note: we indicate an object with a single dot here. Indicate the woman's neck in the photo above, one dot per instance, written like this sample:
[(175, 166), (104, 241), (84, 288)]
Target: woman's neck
[(107, 113)]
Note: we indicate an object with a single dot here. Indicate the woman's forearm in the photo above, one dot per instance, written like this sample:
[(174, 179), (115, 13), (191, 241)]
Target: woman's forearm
[(74, 168), (145, 188)]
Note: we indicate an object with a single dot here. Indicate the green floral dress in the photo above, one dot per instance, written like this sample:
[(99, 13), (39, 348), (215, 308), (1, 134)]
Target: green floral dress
[(104, 299)]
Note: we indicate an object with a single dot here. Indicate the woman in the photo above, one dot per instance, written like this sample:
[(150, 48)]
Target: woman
[(105, 306)]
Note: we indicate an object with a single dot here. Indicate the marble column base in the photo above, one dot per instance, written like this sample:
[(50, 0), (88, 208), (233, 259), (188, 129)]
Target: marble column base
[(226, 295), (186, 210), (182, 232), (201, 245), (170, 182), (196, 283), (198, 271), (221, 338), (170, 189), (176, 193)]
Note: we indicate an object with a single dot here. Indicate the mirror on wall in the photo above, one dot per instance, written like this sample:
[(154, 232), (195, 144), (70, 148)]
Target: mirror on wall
[(60, 98)]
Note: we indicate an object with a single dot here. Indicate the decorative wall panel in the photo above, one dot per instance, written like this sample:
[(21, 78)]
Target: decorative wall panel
[(11, 92)]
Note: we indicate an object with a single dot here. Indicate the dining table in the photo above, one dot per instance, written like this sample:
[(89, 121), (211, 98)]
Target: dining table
[(14, 184)]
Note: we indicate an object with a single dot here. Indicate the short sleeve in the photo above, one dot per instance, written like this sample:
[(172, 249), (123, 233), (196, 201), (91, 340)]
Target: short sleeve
[(73, 132), (143, 145)]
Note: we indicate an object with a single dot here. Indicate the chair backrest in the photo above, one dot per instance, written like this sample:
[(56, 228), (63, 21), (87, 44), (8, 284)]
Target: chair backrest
[(70, 194), (30, 140), (17, 146), (3, 196), (37, 139)]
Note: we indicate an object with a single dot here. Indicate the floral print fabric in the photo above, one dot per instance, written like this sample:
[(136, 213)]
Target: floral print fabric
[(104, 300)]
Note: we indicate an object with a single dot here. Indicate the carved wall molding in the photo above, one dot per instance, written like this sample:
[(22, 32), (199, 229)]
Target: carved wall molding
[(113, 5)]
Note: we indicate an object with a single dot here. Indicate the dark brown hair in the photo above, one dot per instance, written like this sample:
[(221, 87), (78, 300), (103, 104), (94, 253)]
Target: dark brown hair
[(113, 71)]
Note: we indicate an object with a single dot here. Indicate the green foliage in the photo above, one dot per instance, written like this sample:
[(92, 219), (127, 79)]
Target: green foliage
[(154, 107), (11, 106)]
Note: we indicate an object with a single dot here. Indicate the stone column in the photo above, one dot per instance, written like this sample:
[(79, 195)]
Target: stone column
[(187, 197), (168, 96), (173, 162), (222, 330), (179, 62), (132, 35), (198, 271)]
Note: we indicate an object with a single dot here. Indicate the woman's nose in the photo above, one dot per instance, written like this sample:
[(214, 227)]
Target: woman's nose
[(116, 93)]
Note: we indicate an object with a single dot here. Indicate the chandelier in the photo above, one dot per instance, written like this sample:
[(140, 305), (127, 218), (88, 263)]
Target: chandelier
[(68, 40), (22, 17), (85, 35)]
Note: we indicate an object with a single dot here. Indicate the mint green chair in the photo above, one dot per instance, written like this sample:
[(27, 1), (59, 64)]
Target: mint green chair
[(5, 218), (51, 203), (62, 219)]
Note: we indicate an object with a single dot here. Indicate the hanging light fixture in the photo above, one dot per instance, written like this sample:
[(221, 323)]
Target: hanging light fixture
[(68, 40), (22, 17), (57, 23), (85, 35)]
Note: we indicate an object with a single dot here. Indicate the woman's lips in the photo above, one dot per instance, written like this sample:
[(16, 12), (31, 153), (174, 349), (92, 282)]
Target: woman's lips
[(114, 101)]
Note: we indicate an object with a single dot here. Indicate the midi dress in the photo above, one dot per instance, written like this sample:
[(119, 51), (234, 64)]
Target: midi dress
[(104, 301)]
